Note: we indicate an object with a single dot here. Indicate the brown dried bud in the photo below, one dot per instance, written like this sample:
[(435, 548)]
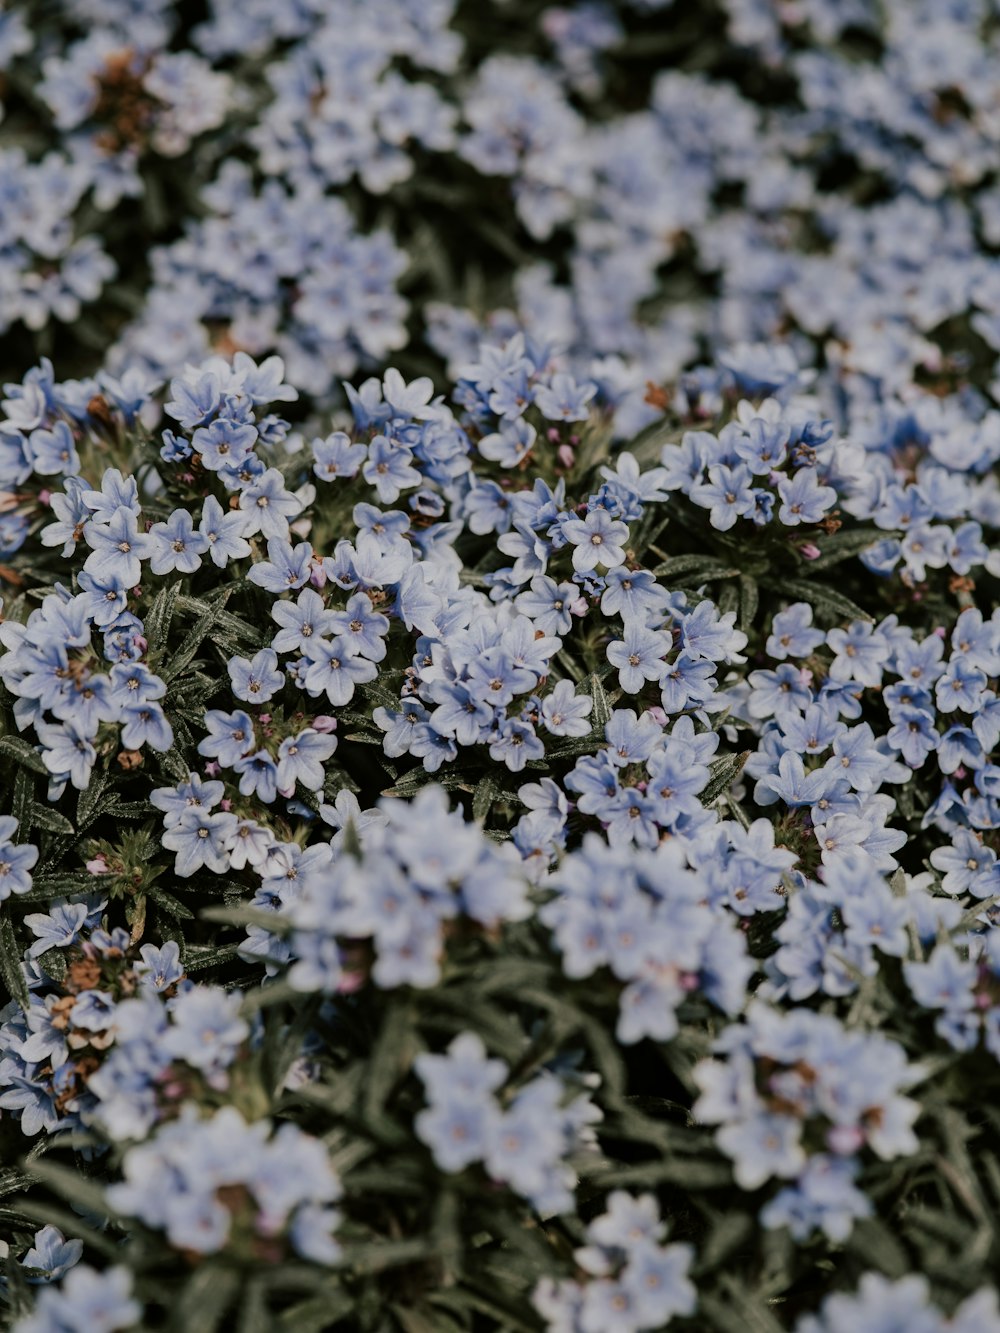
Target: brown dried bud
[(84, 974), (99, 408), (657, 396)]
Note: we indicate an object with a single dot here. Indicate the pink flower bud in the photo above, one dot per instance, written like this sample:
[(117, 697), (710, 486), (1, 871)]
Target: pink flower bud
[(212, 769), (844, 1139), (552, 434), (324, 723), (658, 715), (810, 552), (227, 804), (97, 865), (565, 455)]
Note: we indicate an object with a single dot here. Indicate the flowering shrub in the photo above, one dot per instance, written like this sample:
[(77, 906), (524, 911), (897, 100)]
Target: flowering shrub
[(511, 847)]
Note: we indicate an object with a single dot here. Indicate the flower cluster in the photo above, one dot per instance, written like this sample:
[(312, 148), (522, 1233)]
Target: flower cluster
[(880, 1303), (632, 1280), (798, 1097), (524, 1140), (432, 719), (302, 663), (203, 1181), (420, 874), (354, 133), (460, 829)]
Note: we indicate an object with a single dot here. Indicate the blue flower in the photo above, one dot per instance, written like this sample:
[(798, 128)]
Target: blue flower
[(727, 494), (54, 451), (362, 626), (285, 568), (206, 1028), (640, 656), (564, 712), (161, 966), (145, 724), (257, 680), (69, 754), (334, 671), (515, 744), (230, 735), (224, 444), (51, 1255), (389, 469), (337, 456), (803, 498), (200, 839), (268, 506), (258, 776), (86, 1299), (176, 545), (16, 861), (562, 399), (597, 539), (301, 759), (301, 621), (117, 547)]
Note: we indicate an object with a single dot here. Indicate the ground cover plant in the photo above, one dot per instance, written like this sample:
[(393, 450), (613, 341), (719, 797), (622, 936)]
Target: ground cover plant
[(499, 667)]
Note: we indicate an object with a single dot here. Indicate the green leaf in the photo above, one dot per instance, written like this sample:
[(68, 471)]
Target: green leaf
[(169, 903), (601, 713), (390, 1058), (19, 749), (75, 1188), (197, 959), (157, 619), (831, 603), (410, 783), (749, 601), (703, 567), (88, 805), (193, 640), (486, 793), (412, 1320), (21, 803), (44, 817), (842, 545), (745, 1314), (725, 771), (254, 1314), (206, 1298), (53, 961), (12, 1180), (48, 886), (247, 916), (877, 1247), (728, 1233), (10, 963), (318, 1314)]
